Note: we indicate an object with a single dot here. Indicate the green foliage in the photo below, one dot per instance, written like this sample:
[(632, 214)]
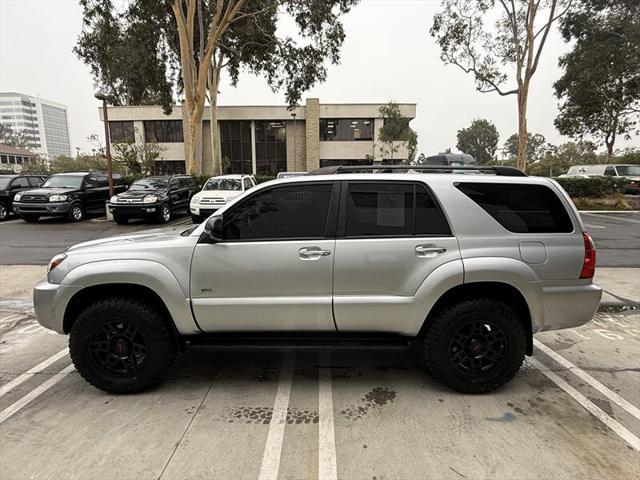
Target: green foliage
[(137, 159), (480, 140), (396, 132), (36, 165), (13, 138), (264, 178), (536, 146), (600, 87), (82, 163), (592, 187)]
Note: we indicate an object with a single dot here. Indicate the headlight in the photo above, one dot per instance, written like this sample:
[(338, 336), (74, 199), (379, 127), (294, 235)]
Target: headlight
[(58, 198), (17, 197), (114, 199), (55, 261), (195, 198), (150, 199)]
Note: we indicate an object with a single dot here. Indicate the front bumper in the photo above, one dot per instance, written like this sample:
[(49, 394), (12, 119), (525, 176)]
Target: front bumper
[(141, 210), (49, 209), (204, 211), (50, 301)]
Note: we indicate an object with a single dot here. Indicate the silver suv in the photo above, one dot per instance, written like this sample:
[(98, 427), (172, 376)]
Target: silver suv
[(466, 267)]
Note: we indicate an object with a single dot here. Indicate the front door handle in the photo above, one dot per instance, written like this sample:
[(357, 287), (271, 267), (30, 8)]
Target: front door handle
[(312, 253), (429, 251)]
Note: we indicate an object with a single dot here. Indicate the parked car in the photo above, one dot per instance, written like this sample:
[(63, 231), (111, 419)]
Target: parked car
[(217, 192), (631, 172), (467, 267), (10, 185), (157, 198), (71, 195), (456, 159)]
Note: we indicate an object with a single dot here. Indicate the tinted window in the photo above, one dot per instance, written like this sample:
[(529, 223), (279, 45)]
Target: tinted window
[(609, 171), (36, 181), (175, 183), (346, 129), (121, 132), (247, 184), (380, 209), (20, 182), (164, 131), (520, 208), (429, 217), (297, 211)]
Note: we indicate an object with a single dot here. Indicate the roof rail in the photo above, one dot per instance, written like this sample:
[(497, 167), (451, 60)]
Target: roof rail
[(496, 170)]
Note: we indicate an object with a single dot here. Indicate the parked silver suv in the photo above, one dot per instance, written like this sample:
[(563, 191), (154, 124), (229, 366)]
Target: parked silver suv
[(468, 267)]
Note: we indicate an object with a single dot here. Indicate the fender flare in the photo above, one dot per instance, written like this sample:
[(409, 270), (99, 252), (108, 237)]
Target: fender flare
[(146, 273)]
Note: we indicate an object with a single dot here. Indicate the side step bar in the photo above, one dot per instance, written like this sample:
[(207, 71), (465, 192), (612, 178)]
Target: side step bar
[(298, 343)]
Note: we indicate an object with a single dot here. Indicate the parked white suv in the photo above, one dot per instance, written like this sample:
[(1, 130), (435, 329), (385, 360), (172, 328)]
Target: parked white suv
[(467, 267), (217, 192)]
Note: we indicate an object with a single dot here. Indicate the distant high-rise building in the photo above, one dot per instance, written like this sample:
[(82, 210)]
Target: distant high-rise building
[(44, 123)]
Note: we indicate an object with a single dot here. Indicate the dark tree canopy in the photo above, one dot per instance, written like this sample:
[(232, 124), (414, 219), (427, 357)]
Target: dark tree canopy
[(480, 140), (536, 146), (599, 90)]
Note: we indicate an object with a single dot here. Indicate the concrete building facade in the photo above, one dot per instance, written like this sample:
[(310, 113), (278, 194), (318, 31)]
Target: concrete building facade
[(265, 140), (44, 123)]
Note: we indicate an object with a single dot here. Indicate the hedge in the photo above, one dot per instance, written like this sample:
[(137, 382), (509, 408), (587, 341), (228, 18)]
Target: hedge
[(592, 187)]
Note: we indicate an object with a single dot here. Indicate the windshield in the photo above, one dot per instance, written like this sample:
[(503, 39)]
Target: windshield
[(63, 181), (4, 182), (223, 184), (149, 184), (624, 170)]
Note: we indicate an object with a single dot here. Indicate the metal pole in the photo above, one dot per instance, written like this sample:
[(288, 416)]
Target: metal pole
[(108, 150)]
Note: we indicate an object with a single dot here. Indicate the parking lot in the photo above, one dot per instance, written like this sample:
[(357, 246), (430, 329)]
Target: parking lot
[(571, 412)]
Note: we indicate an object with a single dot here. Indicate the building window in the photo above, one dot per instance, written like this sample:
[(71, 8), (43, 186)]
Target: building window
[(3, 159), (235, 141), (400, 128), (121, 132), (346, 129), (271, 148), (336, 163), (168, 167), (163, 131)]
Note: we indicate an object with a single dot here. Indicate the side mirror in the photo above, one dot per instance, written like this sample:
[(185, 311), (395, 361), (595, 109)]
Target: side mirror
[(213, 228)]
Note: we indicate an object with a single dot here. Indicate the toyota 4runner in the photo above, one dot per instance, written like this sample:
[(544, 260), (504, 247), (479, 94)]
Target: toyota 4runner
[(466, 267)]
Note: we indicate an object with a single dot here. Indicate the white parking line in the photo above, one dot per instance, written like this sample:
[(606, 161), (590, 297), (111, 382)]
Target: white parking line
[(11, 317), (35, 393), (31, 372), (622, 219), (327, 466), (273, 447), (611, 395), (591, 407)]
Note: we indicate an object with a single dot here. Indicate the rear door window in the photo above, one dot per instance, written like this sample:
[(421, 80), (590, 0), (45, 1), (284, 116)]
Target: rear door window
[(394, 209), (20, 182), (520, 208)]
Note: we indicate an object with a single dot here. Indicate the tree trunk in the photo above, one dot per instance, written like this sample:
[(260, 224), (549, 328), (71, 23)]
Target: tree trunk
[(216, 160), (193, 142), (522, 127)]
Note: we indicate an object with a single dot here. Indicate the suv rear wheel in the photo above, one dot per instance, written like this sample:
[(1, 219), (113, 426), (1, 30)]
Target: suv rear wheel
[(475, 346), (121, 345), (164, 214)]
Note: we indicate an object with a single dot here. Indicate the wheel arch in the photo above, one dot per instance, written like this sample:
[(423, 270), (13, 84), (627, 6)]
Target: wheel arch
[(493, 290)]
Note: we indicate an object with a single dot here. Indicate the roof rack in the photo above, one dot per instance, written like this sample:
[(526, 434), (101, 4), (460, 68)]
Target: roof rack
[(497, 170)]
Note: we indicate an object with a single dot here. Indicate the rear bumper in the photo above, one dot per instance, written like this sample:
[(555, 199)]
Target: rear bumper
[(134, 211), (50, 209), (50, 301), (568, 306)]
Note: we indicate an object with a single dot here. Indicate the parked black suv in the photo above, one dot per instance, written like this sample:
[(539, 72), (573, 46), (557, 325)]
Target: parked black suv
[(12, 184), (155, 197), (71, 195)]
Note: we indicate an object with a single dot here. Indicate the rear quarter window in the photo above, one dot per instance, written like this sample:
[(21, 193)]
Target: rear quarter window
[(520, 208)]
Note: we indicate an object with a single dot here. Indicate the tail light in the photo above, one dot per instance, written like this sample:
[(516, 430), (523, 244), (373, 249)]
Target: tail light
[(589, 262)]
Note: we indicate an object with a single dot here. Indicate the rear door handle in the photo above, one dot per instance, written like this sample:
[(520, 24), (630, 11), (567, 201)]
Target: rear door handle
[(429, 251), (312, 253)]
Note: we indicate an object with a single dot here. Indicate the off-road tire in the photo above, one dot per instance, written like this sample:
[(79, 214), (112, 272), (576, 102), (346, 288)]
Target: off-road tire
[(161, 351), (30, 218), (448, 320), (4, 211), (120, 220)]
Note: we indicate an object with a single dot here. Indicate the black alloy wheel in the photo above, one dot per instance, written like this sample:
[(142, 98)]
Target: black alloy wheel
[(118, 349)]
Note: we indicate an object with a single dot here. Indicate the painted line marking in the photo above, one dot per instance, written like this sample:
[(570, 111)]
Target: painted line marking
[(327, 466), (273, 447), (31, 372), (35, 393), (611, 395), (614, 425), (11, 317), (594, 226), (624, 219)]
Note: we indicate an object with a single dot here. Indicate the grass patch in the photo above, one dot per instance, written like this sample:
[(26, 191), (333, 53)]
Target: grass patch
[(616, 201)]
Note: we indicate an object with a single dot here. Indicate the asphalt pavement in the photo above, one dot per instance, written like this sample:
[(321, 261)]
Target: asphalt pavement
[(617, 238)]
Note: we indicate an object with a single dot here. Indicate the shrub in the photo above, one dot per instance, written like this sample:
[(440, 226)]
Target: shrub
[(264, 178), (592, 187)]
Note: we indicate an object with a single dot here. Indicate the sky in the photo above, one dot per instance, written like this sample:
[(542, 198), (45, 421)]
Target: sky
[(388, 54)]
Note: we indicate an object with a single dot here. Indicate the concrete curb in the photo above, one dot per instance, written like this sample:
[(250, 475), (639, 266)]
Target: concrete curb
[(608, 211)]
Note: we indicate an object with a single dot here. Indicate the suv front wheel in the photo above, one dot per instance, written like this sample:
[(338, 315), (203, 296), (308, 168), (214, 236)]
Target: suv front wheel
[(475, 346), (121, 345), (75, 213)]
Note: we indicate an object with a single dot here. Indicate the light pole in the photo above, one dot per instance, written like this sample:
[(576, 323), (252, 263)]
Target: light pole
[(105, 115), (295, 158)]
